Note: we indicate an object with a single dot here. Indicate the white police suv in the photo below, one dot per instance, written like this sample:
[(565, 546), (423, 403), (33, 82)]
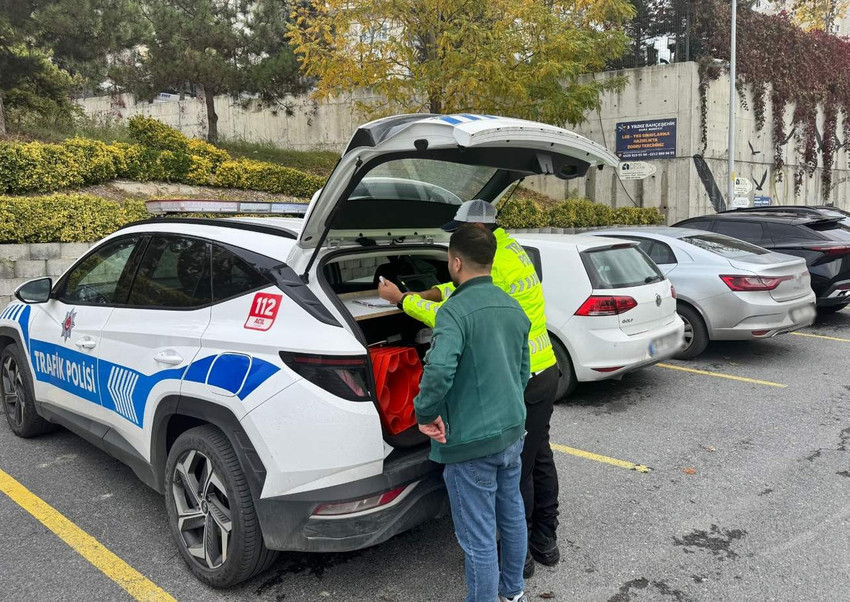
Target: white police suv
[(227, 361)]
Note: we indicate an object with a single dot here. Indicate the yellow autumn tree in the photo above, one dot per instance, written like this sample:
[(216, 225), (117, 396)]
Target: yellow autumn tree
[(523, 58), (818, 14)]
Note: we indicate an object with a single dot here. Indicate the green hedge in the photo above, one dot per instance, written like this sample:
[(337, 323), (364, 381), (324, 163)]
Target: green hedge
[(160, 153), (575, 213), (64, 217), (86, 218)]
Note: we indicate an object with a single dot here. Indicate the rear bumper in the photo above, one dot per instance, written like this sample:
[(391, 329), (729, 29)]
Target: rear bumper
[(761, 315), (288, 523), (592, 350), (835, 295)]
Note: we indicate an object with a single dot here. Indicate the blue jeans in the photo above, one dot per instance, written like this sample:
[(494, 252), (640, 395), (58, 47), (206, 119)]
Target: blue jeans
[(485, 499)]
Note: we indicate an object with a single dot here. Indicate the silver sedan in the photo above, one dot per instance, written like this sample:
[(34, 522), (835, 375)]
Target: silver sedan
[(727, 289)]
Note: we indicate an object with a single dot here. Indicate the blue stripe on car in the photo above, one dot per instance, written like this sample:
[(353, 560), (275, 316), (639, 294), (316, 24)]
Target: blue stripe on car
[(125, 391), (20, 313)]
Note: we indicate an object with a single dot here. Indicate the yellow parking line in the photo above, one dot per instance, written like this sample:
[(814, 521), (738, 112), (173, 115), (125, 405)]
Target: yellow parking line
[(591, 456), (742, 379), (136, 584), (820, 336)]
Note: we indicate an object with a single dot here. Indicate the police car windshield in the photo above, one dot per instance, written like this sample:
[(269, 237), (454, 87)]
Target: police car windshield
[(429, 180)]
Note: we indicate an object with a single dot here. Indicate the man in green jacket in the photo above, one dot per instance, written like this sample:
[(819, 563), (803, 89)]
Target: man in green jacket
[(513, 272), (470, 403)]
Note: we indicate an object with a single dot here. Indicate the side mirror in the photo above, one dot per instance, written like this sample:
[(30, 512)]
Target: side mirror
[(35, 291)]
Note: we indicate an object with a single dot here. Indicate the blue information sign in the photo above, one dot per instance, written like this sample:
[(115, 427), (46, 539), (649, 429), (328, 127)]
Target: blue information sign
[(761, 201), (646, 139)]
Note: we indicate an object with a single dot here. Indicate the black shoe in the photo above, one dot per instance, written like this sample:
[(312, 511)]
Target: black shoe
[(528, 569), (547, 555)]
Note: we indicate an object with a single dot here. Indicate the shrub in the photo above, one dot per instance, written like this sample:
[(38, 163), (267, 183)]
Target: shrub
[(579, 213), (521, 213), (213, 154), (258, 175), (575, 213), (172, 166), (136, 162), (149, 132), (64, 218), (200, 171), (638, 216), (94, 159), (36, 167)]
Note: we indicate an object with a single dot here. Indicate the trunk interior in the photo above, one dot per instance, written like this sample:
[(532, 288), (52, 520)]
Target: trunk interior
[(353, 276)]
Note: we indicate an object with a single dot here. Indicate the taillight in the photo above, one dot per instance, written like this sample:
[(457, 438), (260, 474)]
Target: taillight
[(672, 291), (604, 305), (345, 376), (832, 251), (375, 501), (753, 283)]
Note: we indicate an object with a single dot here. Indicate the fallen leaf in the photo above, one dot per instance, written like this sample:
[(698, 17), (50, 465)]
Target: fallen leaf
[(690, 471), (547, 595), (709, 448)]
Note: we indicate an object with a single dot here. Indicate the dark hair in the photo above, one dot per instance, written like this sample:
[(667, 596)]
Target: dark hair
[(474, 244)]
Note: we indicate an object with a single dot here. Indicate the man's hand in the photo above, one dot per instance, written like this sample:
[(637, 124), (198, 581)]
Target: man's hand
[(389, 291), (436, 430)]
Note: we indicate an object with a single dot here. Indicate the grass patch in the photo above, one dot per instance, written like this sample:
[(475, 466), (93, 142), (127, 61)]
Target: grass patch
[(60, 130), (320, 163)]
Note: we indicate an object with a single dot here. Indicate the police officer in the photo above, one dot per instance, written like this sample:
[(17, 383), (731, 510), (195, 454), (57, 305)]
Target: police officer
[(514, 272)]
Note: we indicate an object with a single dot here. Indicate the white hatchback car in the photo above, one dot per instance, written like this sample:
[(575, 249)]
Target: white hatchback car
[(610, 309), (229, 362)]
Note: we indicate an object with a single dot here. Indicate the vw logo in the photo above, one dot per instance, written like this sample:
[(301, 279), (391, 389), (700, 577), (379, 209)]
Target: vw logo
[(658, 300)]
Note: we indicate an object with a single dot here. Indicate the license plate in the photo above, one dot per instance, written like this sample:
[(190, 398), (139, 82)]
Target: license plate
[(663, 345), (803, 314)]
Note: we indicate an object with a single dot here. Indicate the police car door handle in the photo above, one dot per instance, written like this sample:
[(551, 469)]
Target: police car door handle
[(168, 357), (86, 343)]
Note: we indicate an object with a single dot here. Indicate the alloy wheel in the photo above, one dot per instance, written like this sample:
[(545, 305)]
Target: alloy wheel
[(204, 519), (13, 391), (689, 332)]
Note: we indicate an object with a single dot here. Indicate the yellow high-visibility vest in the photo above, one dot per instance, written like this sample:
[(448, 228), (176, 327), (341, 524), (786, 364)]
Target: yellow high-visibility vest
[(514, 273)]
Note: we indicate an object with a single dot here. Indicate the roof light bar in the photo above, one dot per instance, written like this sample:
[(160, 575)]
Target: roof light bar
[(173, 206)]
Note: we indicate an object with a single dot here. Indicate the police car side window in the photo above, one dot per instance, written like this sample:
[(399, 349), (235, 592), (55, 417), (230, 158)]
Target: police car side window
[(96, 279), (174, 273), (233, 276)]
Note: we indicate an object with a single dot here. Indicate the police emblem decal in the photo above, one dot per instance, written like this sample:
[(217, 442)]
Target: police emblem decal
[(68, 324)]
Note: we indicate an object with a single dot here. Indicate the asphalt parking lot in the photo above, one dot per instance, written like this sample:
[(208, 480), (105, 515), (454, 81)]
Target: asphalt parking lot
[(695, 487)]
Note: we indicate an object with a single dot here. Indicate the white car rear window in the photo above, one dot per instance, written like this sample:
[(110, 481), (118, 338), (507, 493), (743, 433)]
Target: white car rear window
[(620, 267)]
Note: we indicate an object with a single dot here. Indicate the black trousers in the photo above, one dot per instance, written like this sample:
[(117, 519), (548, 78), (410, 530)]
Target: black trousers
[(539, 481)]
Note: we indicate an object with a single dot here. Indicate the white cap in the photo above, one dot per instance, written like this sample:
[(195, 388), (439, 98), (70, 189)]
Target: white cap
[(472, 212)]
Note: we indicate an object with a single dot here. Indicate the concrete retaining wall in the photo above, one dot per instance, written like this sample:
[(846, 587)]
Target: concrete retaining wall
[(20, 263), (657, 92)]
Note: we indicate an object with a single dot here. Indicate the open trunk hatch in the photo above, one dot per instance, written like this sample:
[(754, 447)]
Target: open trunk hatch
[(403, 177)]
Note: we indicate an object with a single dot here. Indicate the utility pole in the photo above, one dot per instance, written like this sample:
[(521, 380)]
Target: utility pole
[(730, 191)]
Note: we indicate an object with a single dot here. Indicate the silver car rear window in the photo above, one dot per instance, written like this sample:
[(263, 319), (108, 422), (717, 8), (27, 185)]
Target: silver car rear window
[(622, 266), (725, 246)]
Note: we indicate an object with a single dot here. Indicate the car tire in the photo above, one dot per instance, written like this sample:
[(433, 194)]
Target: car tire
[(567, 382), (16, 395), (831, 309), (210, 509), (696, 334)]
